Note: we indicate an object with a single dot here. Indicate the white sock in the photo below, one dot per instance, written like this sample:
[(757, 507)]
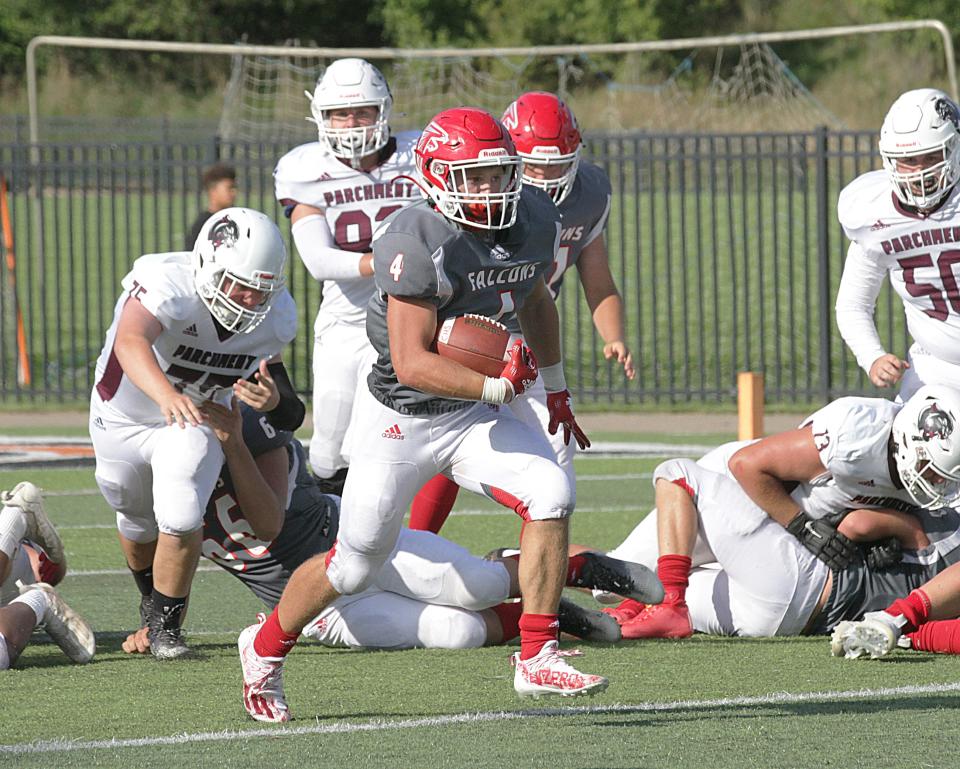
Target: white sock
[(36, 600), (13, 527)]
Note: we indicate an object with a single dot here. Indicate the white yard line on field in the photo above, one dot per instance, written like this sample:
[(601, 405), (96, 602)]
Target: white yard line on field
[(379, 725)]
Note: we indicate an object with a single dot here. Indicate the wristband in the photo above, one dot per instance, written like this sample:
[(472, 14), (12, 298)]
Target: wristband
[(553, 378), (497, 390)]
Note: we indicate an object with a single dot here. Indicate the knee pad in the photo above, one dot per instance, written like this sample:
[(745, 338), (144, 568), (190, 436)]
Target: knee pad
[(125, 487), (139, 530), (186, 465), (475, 584), (351, 572), (446, 627), (553, 493)]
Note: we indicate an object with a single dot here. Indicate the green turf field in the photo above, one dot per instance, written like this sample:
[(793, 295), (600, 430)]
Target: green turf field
[(699, 702)]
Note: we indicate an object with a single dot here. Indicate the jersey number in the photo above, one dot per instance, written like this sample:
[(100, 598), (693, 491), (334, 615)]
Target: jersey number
[(353, 230), (240, 544), (938, 297), (207, 383)]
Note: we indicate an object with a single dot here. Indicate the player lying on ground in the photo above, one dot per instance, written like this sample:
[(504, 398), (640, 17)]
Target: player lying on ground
[(431, 593), (31, 550), (545, 133), (188, 328), (776, 578)]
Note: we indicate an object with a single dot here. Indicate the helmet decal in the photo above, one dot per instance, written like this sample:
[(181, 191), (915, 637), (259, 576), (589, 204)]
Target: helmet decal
[(933, 422), (225, 232), (948, 111)]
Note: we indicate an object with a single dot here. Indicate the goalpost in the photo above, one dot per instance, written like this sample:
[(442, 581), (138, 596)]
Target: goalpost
[(268, 96)]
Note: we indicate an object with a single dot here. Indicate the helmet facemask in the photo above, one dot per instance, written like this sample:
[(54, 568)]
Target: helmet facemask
[(217, 290), (558, 187), (491, 210), (925, 187), (356, 142)]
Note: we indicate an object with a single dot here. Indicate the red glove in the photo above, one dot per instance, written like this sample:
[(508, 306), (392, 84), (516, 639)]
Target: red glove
[(521, 368), (560, 408)]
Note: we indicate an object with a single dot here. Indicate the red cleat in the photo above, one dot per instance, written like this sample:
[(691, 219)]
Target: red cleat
[(664, 620), (625, 610)]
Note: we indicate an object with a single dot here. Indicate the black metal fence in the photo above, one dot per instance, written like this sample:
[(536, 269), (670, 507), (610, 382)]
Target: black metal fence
[(726, 248)]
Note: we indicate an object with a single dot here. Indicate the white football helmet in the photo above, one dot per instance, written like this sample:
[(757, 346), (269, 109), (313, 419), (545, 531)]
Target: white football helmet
[(351, 83), (921, 122), (926, 437), (238, 248)]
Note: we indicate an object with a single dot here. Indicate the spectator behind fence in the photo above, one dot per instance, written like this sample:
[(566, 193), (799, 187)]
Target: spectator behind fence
[(220, 184)]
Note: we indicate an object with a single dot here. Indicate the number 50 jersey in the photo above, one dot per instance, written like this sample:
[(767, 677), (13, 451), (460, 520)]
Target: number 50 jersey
[(921, 253), (189, 350)]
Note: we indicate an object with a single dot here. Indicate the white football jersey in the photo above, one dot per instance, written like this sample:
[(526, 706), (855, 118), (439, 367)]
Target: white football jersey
[(189, 350), (921, 254), (852, 436), (354, 203)]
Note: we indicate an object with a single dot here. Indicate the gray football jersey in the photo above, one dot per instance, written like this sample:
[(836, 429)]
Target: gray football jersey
[(309, 527), (419, 254), (859, 589)]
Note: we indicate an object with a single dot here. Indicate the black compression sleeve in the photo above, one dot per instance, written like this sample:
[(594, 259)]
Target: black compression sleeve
[(289, 413)]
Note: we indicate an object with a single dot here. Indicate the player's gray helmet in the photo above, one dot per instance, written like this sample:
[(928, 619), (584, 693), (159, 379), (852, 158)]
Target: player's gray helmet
[(926, 436), (238, 247)]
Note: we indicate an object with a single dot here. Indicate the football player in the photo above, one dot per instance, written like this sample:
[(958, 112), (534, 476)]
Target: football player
[(31, 562), (545, 133), (432, 593), (903, 221), (188, 328), (482, 243), (897, 460), (337, 191)]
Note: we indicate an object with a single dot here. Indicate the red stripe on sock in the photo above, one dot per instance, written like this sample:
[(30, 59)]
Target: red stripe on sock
[(574, 567), (433, 503)]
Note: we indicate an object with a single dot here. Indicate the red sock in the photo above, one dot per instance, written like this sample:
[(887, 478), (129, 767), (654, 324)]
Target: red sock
[(273, 640), (433, 504), (915, 607), (674, 573), (942, 637), (509, 616), (535, 631), (574, 567)]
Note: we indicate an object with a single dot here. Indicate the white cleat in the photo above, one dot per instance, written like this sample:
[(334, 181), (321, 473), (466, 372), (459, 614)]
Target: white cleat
[(548, 673), (263, 695), (67, 628), (875, 636), (28, 498)]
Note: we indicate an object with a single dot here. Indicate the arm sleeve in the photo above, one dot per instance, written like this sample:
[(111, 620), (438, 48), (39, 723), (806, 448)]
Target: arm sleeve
[(856, 302), (319, 253), (289, 413)]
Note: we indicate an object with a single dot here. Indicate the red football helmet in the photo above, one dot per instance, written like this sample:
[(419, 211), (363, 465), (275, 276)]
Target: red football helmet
[(545, 133), (451, 152)]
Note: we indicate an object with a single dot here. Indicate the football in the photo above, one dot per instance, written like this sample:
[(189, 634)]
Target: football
[(474, 341)]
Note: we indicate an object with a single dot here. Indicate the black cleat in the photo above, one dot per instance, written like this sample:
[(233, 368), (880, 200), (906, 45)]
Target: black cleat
[(166, 635), (587, 624), (611, 575)]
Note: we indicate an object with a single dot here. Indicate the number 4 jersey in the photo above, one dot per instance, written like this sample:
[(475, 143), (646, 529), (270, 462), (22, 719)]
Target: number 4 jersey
[(354, 204), (198, 357), (921, 253)]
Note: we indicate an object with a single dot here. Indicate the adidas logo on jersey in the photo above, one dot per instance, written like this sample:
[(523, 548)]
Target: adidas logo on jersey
[(191, 330), (878, 225), (393, 432)]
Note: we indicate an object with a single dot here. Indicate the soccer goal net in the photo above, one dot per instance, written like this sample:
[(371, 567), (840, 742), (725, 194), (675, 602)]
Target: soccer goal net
[(705, 88)]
